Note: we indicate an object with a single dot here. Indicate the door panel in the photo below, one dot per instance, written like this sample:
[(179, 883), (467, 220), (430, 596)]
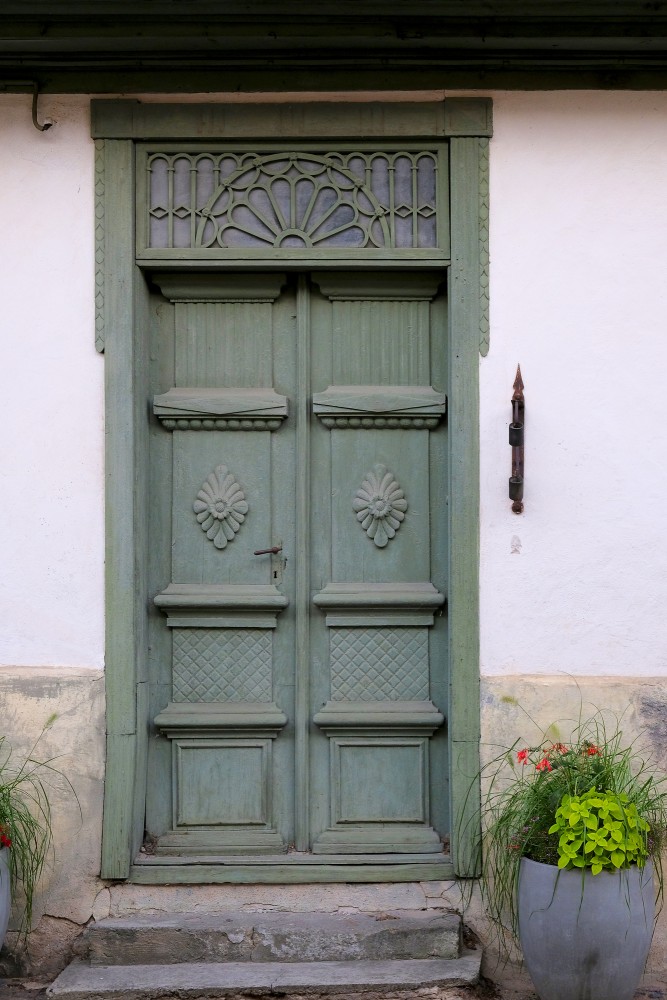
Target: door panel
[(381, 587), (226, 684), (266, 386)]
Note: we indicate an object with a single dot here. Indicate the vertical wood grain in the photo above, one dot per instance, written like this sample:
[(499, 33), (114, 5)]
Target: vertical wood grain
[(303, 610), (463, 604), (121, 537)]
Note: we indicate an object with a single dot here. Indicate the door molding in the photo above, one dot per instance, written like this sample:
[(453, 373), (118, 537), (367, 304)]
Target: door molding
[(122, 313)]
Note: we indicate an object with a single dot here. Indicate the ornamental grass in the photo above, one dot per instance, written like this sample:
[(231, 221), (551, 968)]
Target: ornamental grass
[(593, 803), (26, 821)]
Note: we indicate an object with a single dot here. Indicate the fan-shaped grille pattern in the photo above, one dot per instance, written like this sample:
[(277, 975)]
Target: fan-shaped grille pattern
[(222, 665), (293, 200), (379, 664)]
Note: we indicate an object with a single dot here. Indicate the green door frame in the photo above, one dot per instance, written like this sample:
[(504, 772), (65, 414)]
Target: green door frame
[(122, 316)]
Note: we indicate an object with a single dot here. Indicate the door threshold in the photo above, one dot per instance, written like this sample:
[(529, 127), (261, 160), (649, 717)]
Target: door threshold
[(290, 868)]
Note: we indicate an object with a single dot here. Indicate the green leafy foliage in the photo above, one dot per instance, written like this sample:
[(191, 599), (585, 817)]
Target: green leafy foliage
[(600, 830), (591, 803)]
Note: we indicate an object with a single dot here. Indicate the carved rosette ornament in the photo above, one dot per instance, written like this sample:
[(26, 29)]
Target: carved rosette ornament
[(380, 505), (220, 507)]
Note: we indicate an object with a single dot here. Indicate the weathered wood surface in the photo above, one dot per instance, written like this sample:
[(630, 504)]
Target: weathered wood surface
[(276, 873), (349, 45)]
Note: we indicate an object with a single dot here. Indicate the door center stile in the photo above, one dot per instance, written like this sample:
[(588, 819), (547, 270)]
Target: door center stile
[(302, 561)]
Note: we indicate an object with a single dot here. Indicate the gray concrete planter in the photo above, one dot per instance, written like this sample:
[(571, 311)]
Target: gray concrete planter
[(583, 936)]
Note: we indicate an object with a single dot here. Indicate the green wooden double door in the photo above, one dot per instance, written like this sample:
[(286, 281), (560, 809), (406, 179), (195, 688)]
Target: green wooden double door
[(297, 549)]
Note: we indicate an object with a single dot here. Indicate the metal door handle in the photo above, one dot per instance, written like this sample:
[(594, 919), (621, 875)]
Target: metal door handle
[(274, 550)]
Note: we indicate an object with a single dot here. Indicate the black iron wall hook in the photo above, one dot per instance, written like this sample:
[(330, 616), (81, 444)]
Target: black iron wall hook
[(47, 125), (19, 87), (517, 428)]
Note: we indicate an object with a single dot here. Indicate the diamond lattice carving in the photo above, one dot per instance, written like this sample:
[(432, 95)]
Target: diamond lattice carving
[(222, 664), (379, 664)]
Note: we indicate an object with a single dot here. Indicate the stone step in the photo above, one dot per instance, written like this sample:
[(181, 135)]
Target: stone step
[(217, 980), (274, 937)]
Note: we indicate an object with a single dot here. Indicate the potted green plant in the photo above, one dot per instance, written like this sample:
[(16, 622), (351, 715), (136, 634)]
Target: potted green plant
[(25, 829), (572, 859)]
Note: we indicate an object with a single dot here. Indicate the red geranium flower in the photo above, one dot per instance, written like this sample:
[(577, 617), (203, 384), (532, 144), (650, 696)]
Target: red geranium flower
[(522, 756), (544, 765)]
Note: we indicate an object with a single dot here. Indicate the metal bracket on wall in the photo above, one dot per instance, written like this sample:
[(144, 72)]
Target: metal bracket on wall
[(517, 441)]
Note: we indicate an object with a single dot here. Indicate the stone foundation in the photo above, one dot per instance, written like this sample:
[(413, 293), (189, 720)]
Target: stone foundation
[(72, 893)]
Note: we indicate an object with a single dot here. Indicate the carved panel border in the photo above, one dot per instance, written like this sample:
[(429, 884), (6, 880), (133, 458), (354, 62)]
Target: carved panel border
[(257, 752), (344, 773)]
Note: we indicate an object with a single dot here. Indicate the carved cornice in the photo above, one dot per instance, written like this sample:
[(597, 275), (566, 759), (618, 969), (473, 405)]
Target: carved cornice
[(229, 719), (379, 718), (202, 605), (353, 286), (380, 423), (349, 604), (376, 407), (184, 287), (220, 409)]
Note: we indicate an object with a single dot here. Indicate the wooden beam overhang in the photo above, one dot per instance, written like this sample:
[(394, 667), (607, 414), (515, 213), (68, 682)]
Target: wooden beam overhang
[(201, 45)]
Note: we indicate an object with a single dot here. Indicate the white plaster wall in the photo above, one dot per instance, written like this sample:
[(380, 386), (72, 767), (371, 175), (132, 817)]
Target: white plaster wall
[(579, 298), (51, 387), (579, 247)]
